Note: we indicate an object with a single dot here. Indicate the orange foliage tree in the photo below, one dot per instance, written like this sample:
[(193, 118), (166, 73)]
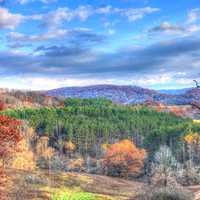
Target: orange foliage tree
[(9, 138), (123, 159)]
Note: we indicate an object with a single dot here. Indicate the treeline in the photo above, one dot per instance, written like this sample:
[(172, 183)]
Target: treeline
[(14, 98), (89, 122)]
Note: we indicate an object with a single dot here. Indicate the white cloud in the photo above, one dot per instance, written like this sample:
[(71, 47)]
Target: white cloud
[(174, 29), (28, 1), (83, 12), (9, 20), (168, 28), (50, 35), (138, 13), (54, 18), (15, 36), (132, 14), (193, 15)]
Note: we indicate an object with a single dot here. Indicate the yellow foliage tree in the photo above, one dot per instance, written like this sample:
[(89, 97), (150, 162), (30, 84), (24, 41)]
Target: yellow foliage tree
[(192, 138), (192, 141)]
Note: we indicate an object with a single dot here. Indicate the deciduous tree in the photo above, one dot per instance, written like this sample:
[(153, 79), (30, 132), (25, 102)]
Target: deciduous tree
[(9, 138), (124, 158)]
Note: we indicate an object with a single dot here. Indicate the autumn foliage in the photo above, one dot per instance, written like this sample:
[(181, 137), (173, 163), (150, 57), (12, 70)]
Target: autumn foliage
[(9, 134), (192, 138), (9, 138), (124, 159)]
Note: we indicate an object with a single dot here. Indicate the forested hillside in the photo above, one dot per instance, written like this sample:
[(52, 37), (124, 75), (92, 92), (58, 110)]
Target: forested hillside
[(89, 122), (96, 136)]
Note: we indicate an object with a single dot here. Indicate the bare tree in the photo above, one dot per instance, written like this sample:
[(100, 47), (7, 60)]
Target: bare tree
[(197, 84)]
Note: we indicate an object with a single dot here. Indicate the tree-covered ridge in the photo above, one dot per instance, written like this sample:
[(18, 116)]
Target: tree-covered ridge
[(90, 122), (132, 95)]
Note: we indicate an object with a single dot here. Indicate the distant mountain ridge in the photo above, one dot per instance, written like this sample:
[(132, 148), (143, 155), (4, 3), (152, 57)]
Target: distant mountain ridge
[(128, 94), (174, 91)]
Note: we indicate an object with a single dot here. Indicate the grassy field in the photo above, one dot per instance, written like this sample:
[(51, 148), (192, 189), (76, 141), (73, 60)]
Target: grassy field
[(42, 185)]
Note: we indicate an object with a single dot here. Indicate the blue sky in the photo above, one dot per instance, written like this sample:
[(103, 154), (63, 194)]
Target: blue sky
[(55, 43)]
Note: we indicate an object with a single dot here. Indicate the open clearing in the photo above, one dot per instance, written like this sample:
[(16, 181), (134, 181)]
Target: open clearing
[(43, 185)]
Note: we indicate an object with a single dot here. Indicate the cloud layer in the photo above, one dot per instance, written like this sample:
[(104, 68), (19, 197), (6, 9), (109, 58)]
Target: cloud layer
[(86, 44), (175, 56)]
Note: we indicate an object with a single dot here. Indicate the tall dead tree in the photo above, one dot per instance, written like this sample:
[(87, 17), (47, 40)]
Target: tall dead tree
[(197, 84)]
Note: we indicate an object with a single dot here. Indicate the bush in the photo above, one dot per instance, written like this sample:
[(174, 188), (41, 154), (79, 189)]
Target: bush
[(166, 194)]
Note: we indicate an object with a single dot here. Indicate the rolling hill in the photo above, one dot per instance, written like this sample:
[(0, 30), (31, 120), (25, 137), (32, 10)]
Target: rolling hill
[(128, 94)]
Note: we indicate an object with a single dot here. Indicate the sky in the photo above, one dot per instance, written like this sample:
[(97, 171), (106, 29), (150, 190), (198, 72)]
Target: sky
[(47, 44)]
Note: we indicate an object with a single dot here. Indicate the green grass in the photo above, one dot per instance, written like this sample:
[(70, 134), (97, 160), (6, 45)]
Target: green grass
[(74, 196)]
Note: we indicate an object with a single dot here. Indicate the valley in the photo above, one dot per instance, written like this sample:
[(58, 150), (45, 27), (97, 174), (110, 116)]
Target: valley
[(98, 149)]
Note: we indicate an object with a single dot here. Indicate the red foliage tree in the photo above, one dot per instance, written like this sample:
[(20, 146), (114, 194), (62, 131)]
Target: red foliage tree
[(123, 159), (9, 138)]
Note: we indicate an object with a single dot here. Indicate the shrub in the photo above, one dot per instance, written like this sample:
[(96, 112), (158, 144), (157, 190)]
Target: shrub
[(123, 159), (166, 194)]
